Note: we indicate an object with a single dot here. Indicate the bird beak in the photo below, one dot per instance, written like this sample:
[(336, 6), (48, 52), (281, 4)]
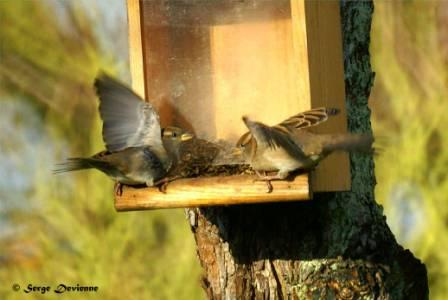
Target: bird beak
[(186, 136), (236, 152)]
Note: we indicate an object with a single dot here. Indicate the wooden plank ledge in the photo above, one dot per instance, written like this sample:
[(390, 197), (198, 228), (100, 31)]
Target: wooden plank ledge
[(209, 191)]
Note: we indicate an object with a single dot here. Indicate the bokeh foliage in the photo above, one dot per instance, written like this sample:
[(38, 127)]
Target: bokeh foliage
[(64, 229), (410, 55)]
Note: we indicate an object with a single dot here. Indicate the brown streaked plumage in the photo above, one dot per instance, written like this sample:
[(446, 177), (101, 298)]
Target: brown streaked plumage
[(289, 146)]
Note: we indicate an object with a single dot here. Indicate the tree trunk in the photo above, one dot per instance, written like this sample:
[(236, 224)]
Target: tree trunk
[(337, 246)]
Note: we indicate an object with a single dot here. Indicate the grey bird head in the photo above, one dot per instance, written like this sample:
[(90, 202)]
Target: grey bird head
[(172, 138)]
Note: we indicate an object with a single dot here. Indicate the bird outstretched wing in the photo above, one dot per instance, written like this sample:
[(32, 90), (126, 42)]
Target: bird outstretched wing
[(275, 135), (309, 118), (128, 121), (271, 137)]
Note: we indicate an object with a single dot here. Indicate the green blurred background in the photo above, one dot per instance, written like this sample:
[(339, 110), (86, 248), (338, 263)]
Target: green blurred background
[(64, 229)]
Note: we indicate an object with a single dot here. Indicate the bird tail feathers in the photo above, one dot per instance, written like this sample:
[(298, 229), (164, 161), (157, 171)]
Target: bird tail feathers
[(78, 163), (350, 143)]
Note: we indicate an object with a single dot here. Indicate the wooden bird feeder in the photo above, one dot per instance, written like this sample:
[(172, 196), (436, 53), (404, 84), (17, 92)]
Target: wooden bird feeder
[(205, 63)]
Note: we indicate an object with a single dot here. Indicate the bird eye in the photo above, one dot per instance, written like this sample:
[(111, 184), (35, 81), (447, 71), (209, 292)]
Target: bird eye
[(174, 134)]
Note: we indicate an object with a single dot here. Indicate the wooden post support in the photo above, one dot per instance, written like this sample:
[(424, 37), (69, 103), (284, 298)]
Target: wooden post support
[(208, 191)]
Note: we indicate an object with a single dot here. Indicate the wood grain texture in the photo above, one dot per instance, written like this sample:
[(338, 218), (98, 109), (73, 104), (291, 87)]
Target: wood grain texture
[(326, 71), (210, 191)]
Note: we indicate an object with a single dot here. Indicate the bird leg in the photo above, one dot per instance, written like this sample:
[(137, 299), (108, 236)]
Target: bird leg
[(263, 178), (268, 178), (163, 183), (118, 189)]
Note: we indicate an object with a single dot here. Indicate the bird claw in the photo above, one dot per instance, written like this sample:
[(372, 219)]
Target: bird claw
[(268, 178), (270, 187), (162, 187), (162, 184), (268, 184), (118, 189)]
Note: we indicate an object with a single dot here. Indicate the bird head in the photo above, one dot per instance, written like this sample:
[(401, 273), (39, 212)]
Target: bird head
[(176, 134), (244, 142), (172, 138), (245, 145)]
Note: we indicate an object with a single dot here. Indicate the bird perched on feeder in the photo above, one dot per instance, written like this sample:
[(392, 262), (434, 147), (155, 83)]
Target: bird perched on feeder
[(137, 151), (289, 146)]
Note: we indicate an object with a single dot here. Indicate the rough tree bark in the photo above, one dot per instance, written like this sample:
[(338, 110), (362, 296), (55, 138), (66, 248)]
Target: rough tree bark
[(337, 246)]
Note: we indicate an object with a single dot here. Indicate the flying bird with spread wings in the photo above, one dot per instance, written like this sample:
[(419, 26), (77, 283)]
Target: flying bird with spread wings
[(289, 146), (137, 151)]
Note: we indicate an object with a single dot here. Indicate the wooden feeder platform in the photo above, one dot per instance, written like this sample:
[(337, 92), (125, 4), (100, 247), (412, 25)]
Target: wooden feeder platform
[(210, 191), (203, 64)]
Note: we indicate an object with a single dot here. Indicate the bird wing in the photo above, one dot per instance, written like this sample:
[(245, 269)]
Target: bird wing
[(309, 118), (301, 120), (128, 121), (308, 142), (271, 137)]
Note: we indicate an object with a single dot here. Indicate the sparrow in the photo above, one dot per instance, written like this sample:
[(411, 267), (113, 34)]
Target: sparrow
[(289, 146), (137, 151)]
